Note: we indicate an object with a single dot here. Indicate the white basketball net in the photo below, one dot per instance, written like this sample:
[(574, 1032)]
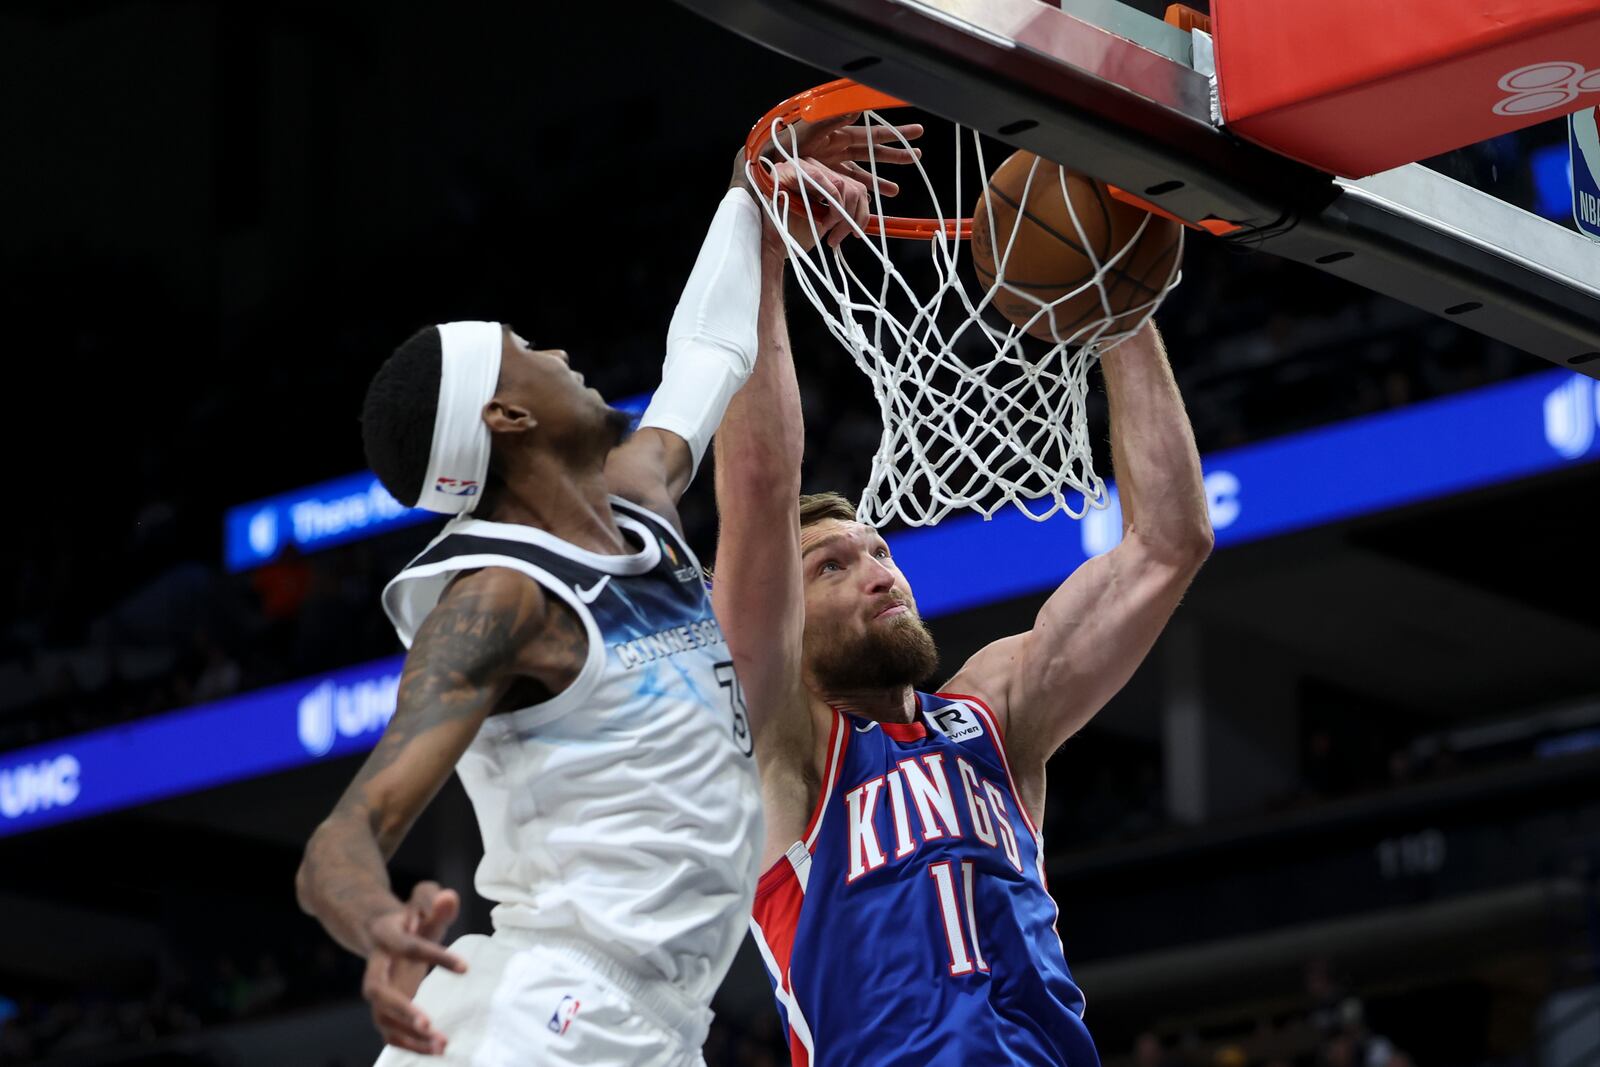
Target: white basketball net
[(976, 414)]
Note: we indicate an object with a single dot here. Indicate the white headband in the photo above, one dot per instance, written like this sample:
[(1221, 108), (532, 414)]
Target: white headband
[(458, 462)]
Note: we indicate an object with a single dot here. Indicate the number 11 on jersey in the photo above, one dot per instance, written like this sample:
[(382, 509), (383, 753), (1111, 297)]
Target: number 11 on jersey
[(952, 910)]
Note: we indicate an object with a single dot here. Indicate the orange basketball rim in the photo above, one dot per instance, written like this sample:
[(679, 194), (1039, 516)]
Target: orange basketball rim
[(845, 97)]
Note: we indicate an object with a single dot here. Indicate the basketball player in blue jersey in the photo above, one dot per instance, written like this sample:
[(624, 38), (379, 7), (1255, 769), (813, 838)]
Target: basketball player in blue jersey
[(903, 913), (565, 662)]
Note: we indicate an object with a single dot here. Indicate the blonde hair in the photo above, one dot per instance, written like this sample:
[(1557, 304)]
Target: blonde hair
[(816, 507)]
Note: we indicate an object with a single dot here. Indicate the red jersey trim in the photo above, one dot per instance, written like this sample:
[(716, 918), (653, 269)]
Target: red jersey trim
[(775, 922), (904, 731), (1038, 838), (1005, 759), (838, 742), (770, 879), (778, 916)]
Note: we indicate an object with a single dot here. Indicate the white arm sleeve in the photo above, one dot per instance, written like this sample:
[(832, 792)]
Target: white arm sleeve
[(711, 343)]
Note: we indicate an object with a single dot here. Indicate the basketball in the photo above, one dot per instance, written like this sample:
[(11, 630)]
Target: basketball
[(1050, 256)]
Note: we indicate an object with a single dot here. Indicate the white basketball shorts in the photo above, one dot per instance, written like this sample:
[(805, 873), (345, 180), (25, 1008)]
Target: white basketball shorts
[(552, 1003)]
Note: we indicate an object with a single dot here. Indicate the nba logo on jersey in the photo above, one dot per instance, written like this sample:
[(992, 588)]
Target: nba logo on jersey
[(957, 722), (565, 1012), (456, 487)]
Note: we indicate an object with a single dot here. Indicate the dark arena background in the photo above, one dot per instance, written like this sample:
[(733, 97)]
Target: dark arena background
[(1346, 815)]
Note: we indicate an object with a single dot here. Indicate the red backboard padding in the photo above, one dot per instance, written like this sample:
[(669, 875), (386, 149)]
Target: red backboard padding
[(1354, 87)]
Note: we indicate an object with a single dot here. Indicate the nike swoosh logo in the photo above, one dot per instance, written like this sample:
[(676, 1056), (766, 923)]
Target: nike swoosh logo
[(588, 595), (864, 729)]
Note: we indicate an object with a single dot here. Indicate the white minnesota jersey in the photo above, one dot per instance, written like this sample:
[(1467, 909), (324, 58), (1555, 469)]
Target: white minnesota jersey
[(625, 811)]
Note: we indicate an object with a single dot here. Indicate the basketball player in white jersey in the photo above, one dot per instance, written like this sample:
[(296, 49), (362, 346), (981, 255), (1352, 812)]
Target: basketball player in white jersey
[(564, 660), (831, 645)]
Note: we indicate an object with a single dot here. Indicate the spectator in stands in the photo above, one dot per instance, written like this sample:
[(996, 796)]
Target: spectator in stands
[(1351, 1043), (1150, 1051)]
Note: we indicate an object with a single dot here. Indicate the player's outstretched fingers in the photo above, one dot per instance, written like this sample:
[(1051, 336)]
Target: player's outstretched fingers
[(884, 186), (831, 223), (885, 144), (806, 138), (814, 216), (852, 197), (434, 907), (395, 941), (857, 202), (813, 137), (400, 1039), (400, 1022), (403, 1033), (428, 915)]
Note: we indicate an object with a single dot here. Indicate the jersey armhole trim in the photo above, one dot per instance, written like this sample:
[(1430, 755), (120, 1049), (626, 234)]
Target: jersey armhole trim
[(838, 741), (799, 1027), (771, 878), (988, 716), (969, 698), (574, 695)]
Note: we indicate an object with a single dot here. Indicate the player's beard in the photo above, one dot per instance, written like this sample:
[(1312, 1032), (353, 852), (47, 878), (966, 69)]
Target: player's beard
[(886, 656)]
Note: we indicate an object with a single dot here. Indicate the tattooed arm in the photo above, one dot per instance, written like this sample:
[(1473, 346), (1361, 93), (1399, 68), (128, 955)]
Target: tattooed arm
[(490, 630)]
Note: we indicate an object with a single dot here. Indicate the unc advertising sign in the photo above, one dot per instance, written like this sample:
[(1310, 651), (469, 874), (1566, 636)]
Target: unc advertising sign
[(259, 733), (354, 709), (1495, 434), (39, 786), (1456, 443)]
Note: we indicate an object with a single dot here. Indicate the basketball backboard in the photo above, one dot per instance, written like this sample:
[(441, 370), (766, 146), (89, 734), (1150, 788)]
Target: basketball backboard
[(1130, 99)]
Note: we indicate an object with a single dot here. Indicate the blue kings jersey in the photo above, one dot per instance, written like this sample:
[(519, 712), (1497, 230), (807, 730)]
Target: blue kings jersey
[(912, 925)]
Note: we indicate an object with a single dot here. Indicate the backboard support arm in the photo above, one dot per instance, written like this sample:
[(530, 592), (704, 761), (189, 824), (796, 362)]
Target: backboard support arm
[(1114, 98)]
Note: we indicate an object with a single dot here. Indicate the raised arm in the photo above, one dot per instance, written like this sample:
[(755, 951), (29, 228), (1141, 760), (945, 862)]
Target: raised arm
[(711, 350), (1096, 629), (711, 341), (467, 653), (757, 592)]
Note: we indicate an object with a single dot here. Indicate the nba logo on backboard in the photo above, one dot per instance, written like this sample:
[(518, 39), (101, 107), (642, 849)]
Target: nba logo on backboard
[(562, 1017), (1583, 138)]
